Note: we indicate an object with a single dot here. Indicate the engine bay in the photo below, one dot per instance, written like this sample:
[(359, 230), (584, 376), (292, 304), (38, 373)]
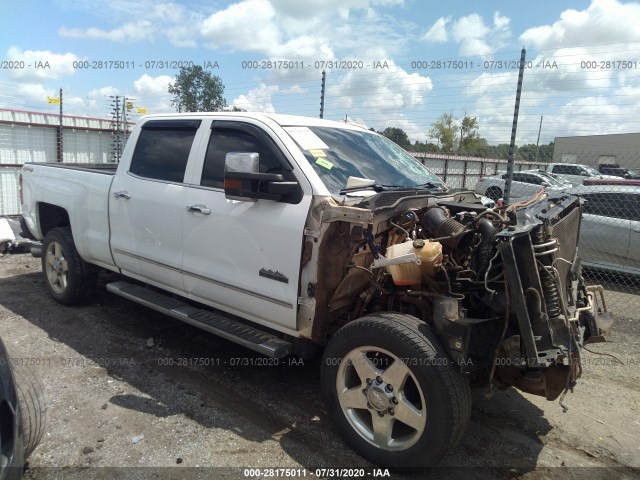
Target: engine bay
[(502, 287)]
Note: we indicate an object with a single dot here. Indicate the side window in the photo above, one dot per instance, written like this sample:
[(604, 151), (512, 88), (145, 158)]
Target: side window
[(534, 179), (616, 205), (162, 150), (225, 140), (564, 170)]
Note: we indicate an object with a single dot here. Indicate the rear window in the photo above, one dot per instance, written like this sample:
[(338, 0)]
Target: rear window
[(163, 149)]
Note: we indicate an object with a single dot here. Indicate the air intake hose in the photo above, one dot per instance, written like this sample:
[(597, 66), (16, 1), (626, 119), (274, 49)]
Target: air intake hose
[(454, 235)]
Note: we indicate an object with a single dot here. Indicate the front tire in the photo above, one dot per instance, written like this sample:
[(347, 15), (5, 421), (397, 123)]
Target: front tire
[(69, 278), (393, 393)]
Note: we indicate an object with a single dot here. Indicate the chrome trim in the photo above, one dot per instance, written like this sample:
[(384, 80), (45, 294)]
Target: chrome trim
[(199, 208), (206, 279), (138, 257), (156, 180)]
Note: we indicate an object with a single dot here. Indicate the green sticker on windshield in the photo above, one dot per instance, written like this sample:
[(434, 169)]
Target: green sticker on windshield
[(324, 163)]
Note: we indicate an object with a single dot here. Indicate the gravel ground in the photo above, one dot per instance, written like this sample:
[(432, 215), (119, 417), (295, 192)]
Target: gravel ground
[(135, 394)]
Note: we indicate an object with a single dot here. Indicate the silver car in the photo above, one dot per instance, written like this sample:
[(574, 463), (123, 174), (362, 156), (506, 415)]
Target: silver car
[(524, 184), (610, 231)]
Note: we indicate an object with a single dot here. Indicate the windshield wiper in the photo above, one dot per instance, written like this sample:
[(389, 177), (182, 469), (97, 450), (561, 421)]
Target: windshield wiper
[(429, 185), (385, 188)]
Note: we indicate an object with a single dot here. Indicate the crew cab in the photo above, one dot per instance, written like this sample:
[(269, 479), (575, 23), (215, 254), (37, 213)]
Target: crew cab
[(289, 235)]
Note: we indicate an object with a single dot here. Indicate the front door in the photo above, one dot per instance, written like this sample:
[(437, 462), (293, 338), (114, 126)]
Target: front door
[(244, 257)]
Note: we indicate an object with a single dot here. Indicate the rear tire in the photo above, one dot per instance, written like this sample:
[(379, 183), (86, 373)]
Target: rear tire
[(393, 393), (494, 193), (32, 404), (69, 278)]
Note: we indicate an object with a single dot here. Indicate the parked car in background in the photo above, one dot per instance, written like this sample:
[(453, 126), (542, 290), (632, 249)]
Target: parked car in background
[(23, 413), (576, 173), (610, 181), (621, 172), (524, 184), (610, 230)]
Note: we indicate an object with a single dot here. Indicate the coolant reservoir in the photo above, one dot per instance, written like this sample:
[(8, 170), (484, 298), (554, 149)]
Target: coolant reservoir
[(430, 253)]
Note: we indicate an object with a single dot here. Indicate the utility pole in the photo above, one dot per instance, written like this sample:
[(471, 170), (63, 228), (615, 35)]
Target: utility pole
[(514, 128), (115, 127), (538, 142), (127, 105), (60, 129), (324, 77)]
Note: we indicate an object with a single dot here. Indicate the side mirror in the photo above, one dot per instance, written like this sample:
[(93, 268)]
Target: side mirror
[(545, 184), (243, 180)]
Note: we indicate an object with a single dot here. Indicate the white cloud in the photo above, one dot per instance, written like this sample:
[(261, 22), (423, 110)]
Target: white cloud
[(606, 31), (148, 85), (312, 8), (248, 25), (310, 30), (476, 38), (473, 35), (257, 100), (103, 93), (41, 64), (129, 32), (437, 33), (385, 90), (173, 21), (604, 21), (152, 92)]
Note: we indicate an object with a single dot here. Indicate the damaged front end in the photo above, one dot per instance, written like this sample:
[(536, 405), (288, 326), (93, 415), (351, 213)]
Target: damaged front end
[(502, 288)]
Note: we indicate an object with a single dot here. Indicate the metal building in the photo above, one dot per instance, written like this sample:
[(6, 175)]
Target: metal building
[(35, 137), (622, 149)]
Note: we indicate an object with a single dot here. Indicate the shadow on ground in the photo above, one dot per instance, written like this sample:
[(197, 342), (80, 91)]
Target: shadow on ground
[(270, 402)]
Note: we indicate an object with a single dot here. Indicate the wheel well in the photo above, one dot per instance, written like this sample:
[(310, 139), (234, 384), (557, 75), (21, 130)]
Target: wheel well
[(52, 216)]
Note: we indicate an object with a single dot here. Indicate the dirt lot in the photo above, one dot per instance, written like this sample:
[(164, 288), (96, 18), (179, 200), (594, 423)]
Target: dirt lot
[(115, 372)]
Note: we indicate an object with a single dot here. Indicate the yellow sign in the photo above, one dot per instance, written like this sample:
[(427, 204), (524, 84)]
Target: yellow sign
[(129, 106), (142, 110), (54, 100)]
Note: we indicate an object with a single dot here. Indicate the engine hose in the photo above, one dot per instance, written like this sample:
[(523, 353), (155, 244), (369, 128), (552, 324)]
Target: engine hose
[(547, 280), (487, 244), (452, 232)]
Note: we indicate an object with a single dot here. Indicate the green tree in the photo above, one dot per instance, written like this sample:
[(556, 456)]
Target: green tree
[(469, 135), (423, 147), (196, 90), (444, 131), (397, 135)]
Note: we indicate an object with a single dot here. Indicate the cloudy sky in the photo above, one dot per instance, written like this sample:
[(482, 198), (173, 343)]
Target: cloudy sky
[(396, 63)]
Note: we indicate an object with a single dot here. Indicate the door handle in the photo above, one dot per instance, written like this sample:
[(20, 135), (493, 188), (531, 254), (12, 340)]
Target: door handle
[(199, 209), (122, 194), (637, 230)]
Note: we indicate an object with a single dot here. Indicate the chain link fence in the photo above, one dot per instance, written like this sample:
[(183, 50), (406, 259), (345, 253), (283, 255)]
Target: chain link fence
[(610, 236), (609, 243)]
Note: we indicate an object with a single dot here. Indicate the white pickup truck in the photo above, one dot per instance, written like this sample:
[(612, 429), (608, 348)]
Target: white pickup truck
[(288, 234)]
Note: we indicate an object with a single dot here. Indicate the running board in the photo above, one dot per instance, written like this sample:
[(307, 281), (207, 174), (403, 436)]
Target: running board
[(237, 332)]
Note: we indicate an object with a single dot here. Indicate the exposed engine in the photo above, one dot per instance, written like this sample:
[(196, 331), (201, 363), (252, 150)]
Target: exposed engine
[(502, 287)]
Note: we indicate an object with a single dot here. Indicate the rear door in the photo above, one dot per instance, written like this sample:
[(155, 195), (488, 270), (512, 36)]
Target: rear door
[(146, 204), (244, 257)]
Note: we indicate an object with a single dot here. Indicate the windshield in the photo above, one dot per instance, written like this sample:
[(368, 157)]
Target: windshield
[(337, 154), (553, 181)]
